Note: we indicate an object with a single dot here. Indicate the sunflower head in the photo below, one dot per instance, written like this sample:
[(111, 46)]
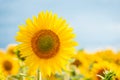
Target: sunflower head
[(117, 59), (46, 41), (99, 69), (104, 55), (9, 65), (11, 49), (82, 63), (81, 59)]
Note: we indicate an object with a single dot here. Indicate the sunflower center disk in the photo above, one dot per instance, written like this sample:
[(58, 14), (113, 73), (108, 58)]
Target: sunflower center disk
[(45, 44), (77, 63), (7, 65)]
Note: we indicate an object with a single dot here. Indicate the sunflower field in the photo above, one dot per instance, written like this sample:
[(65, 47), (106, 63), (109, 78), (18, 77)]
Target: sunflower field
[(46, 50)]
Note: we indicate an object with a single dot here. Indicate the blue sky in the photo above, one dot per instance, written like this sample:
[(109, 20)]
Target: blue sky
[(95, 22)]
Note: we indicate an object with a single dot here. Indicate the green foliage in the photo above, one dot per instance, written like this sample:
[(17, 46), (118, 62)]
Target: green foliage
[(108, 75)]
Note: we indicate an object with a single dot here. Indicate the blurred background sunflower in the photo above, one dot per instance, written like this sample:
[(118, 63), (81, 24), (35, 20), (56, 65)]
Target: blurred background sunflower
[(9, 65)]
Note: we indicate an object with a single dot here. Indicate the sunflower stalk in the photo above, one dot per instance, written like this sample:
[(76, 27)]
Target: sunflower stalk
[(22, 76), (39, 75)]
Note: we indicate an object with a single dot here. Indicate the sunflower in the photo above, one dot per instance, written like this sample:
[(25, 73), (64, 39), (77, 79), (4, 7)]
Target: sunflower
[(100, 68), (82, 63), (104, 55), (9, 65), (117, 77), (117, 59), (11, 49), (46, 42)]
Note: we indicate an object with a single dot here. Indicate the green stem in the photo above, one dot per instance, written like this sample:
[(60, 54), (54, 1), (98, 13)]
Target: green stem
[(21, 77), (38, 75)]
